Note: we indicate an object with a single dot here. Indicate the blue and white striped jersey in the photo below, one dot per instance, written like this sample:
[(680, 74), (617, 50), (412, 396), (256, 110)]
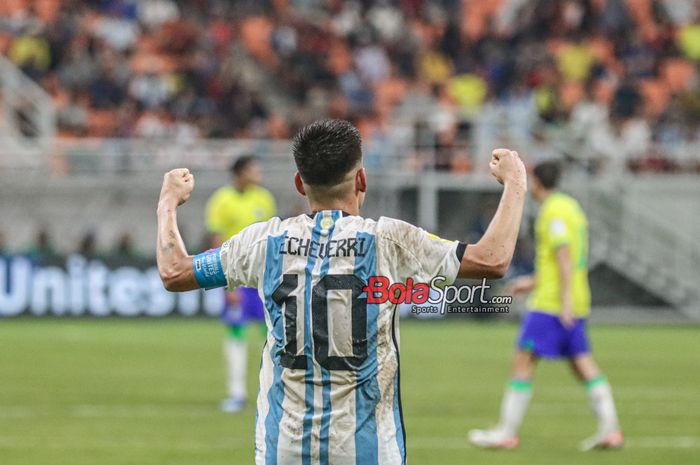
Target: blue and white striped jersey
[(329, 378)]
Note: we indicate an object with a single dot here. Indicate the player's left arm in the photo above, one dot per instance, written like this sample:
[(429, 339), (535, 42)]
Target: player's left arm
[(174, 263), (563, 258), (490, 257)]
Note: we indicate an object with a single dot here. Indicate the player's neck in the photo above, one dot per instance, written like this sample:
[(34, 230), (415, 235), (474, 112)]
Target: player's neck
[(544, 194), (240, 186), (348, 205)]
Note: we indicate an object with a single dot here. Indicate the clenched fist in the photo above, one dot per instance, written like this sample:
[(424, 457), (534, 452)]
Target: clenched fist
[(178, 184), (507, 167)]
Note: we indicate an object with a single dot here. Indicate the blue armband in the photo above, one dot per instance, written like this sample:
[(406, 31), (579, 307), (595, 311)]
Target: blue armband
[(208, 270)]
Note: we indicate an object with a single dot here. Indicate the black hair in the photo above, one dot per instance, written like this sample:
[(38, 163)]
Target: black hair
[(548, 174), (326, 150), (241, 163)]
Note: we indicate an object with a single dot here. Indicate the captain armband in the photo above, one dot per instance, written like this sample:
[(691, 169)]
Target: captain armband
[(208, 270)]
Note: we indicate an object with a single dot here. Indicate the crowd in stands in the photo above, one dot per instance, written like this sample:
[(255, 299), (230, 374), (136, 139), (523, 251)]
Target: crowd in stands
[(42, 247), (599, 79)]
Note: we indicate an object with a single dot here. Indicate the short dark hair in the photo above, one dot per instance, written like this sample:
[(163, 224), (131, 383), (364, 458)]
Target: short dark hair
[(548, 174), (326, 150), (241, 163)]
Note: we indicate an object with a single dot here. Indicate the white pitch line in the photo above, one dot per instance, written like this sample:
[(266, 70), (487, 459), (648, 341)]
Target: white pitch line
[(107, 410), (647, 442), (664, 442), (426, 443), (187, 445)]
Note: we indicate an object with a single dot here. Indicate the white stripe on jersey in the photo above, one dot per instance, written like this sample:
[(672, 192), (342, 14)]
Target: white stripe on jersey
[(330, 366)]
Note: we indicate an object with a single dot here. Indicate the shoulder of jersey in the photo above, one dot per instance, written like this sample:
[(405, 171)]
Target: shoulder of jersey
[(556, 203), (393, 228), (260, 190), (262, 229), (570, 202), (223, 191)]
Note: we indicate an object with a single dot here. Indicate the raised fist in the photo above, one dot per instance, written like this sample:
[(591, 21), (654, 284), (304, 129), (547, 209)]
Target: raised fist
[(506, 166), (178, 184)]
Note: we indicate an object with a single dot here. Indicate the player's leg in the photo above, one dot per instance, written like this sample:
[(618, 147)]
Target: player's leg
[(538, 338), (235, 353), (236, 356), (518, 392), (599, 391), (236, 348), (515, 401)]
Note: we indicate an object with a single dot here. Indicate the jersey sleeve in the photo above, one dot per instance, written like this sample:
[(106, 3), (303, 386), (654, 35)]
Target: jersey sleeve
[(415, 253), (558, 231), (243, 256)]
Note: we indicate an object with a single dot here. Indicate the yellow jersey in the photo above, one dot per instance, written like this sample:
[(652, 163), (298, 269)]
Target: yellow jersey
[(229, 211), (561, 221)]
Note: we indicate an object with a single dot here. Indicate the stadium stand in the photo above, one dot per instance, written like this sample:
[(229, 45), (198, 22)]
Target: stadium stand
[(452, 76)]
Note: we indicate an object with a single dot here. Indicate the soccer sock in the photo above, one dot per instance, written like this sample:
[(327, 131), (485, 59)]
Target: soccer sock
[(236, 352), (515, 401), (602, 403)]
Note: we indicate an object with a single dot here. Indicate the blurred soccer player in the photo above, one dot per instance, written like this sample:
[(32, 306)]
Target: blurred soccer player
[(555, 327), (329, 378), (230, 209)]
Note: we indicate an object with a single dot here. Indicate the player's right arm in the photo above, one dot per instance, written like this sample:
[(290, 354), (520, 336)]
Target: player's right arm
[(233, 264), (490, 257), (521, 285), (174, 263)]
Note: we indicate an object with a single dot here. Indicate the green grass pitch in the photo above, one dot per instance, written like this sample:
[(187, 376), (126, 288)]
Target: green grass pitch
[(146, 392)]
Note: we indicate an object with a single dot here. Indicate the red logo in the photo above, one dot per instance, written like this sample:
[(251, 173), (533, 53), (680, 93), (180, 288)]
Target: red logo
[(379, 291)]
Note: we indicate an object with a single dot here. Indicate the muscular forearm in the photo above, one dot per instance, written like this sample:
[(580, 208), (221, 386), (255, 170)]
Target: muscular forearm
[(494, 251), (174, 264)]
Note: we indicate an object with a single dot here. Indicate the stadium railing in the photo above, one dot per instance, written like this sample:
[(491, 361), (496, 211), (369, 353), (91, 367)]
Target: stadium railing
[(654, 250), (27, 114)]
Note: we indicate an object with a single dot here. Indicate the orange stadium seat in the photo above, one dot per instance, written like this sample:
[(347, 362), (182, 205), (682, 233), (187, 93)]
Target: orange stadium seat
[(656, 96), (570, 93), (641, 12), (677, 73), (11, 7), (48, 10), (476, 15), (255, 33)]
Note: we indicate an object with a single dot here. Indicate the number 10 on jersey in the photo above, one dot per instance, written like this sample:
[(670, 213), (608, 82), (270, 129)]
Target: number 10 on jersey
[(324, 312)]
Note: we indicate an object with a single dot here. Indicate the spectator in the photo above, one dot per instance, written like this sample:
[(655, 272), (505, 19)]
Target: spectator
[(42, 247), (4, 250), (88, 245), (155, 13), (175, 68), (125, 247)]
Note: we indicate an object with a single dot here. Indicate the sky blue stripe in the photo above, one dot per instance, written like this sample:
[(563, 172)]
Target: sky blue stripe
[(398, 421), (367, 393), (325, 374), (275, 396), (308, 351)]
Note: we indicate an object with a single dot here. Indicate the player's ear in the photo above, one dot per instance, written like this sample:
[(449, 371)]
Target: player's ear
[(299, 184), (361, 181)]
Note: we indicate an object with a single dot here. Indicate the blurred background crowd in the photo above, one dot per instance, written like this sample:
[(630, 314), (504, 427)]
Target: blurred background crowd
[(595, 79)]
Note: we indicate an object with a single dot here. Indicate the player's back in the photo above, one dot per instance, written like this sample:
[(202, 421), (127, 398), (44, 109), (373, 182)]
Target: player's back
[(561, 221), (329, 387)]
